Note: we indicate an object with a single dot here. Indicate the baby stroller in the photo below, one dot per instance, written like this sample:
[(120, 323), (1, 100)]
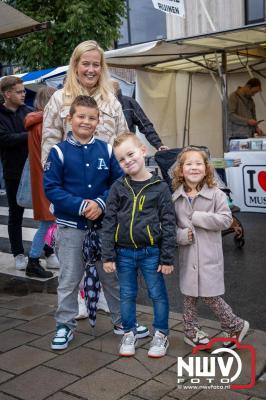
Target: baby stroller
[(166, 161)]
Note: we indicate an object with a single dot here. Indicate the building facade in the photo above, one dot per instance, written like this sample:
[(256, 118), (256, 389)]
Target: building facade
[(145, 23)]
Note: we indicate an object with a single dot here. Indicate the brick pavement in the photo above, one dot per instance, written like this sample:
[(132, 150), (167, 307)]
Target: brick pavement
[(90, 368)]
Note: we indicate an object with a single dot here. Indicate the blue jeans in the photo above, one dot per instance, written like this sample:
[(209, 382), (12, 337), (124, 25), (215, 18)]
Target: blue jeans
[(128, 262), (38, 240), (2, 181)]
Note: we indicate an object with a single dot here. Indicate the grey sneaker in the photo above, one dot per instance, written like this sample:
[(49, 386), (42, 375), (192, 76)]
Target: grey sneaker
[(127, 345), (159, 345), (52, 262), (21, 262)]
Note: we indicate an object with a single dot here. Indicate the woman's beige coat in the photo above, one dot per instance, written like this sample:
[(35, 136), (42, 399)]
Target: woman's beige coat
[(201, 265), (55, 125)]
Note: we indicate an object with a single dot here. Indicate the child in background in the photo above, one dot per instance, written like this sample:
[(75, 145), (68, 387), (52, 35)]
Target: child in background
[(202, 213), (33, 123), (78, 174), (139, 234)]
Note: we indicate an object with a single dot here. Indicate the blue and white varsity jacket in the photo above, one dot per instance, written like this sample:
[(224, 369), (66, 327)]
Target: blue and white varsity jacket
[(75, 173)]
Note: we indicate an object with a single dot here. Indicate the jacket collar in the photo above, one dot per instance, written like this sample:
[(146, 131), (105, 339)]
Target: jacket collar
[(70, 139), (204, 192)]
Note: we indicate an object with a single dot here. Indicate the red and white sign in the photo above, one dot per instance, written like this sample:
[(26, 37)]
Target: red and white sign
[(254, 180), (248, 181)]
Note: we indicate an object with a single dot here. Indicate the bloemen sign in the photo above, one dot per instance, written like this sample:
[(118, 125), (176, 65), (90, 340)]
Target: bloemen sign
[(170, 6), (219, 370)]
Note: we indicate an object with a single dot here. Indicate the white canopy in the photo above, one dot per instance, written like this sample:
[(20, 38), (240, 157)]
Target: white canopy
[(195, 54), (181, 83)]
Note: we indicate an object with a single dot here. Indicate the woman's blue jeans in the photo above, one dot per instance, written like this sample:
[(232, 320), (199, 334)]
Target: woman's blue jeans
[(128, 262), (38, 240)]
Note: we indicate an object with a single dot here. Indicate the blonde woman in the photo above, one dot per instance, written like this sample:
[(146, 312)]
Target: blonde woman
[(87, 75)]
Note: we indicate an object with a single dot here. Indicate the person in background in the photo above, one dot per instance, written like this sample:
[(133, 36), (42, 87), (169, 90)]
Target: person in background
[(14, 152), (135, 116), (40, 204), (138, 234), (202, 212), (2, 181), (242, 111), (88, 75)]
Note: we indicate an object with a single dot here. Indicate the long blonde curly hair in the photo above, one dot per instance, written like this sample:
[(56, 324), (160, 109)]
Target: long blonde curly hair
[(73, 88), (178, 178)]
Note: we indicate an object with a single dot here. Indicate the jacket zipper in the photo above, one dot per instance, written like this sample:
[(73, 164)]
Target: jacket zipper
[(135, 198), (150, 235), (116, 233)]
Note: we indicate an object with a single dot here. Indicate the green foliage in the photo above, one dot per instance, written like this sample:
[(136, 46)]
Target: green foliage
[(72, 23)]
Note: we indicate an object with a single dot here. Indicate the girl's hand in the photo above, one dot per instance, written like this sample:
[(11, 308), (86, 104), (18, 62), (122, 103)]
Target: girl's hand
[(165, 269), (92, 211), (190, 235), (109, 266)]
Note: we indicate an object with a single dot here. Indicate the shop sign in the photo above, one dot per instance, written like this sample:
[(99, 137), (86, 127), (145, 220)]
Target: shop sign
[(254, 183)]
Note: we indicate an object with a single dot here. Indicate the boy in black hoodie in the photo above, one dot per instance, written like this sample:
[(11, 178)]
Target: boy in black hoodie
[(14, 151), (139, 233)]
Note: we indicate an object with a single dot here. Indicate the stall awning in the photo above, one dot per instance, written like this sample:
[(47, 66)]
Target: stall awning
[(196, 54), (14, 23)]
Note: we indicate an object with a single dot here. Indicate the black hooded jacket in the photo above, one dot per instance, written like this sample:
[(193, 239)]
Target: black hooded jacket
[(137, 220), (135, 116), (13, 140)]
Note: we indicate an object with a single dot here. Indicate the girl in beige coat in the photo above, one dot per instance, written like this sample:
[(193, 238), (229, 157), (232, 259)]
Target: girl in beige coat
[(202, 213)]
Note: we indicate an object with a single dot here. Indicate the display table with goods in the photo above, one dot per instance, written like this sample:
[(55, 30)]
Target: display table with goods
[(248, 181)]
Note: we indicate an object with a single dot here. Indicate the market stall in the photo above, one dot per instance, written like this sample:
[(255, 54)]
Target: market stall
[(182, 84)]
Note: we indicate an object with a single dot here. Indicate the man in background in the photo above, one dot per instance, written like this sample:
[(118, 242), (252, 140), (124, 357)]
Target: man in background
[(135, 116), (14, 151), (242, 112)]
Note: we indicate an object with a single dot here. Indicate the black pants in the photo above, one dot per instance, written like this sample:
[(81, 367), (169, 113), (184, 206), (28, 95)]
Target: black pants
[(15, 217)]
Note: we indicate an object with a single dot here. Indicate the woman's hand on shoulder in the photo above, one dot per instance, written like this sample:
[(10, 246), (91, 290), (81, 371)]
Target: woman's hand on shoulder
[(165, 269)]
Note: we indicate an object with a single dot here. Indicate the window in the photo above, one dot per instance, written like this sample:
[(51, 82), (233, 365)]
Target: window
[(255, 11), (143, 23)]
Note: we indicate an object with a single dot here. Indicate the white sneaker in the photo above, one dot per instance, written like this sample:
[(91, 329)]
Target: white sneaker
[(237, 335), (2, 192), (127, 345), (102, 303), (158, 346), (83, 312), (200, 338), (21, 262), (52, 262)]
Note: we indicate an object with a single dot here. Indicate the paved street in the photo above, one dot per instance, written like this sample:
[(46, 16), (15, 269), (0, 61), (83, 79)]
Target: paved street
[(90, 368)]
